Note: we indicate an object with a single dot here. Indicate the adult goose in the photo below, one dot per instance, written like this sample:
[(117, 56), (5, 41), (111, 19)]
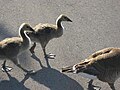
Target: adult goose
[(11, 48), (103, 65), (45, 32)]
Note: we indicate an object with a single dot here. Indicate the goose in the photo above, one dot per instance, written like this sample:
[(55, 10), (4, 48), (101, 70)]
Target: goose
[(45, 32), (11, 48), (103, 65)]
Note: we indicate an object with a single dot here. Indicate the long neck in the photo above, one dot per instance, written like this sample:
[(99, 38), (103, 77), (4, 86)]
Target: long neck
[(59, 28), (58, 23), (25, 38)]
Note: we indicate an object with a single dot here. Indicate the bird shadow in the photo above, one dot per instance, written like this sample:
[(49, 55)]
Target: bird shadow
[(54, 79), (12, 84), (39, 61), (4, 31)]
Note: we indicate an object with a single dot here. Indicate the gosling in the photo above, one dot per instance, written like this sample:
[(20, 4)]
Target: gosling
[(11, 48), (45, 32)]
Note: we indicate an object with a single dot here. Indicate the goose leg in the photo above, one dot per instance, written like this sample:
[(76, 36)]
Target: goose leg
[(111, 86), (50, 55), (6, 68), (92, 87), (32, 48), (16, 62)]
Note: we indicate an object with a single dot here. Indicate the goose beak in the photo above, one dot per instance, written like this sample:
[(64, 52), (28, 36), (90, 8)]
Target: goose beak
[(31, 29), (69, 20)]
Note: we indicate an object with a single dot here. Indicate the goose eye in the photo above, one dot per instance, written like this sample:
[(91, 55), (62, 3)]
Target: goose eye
[(65, 17), (27, 26)]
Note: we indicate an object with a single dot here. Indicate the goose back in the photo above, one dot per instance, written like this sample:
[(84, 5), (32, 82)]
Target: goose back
[(107, 62), (8, 45)]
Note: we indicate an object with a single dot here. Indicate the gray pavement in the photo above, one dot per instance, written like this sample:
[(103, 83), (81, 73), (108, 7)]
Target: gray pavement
[(96, 25)]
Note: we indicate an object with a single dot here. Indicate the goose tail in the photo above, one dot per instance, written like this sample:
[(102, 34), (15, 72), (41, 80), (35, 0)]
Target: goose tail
[(76, 68), (68, 69)]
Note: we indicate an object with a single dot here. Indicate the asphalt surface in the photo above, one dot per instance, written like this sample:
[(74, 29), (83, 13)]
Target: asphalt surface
[(96, 25)]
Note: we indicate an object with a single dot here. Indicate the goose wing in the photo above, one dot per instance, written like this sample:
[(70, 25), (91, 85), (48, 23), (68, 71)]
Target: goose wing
[(106, 58), (45, 29), (10, 46), (101, 60)]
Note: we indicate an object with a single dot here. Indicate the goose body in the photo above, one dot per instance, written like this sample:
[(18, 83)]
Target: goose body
[(45, 32), (7, 44), (103, 65), (11, 48)]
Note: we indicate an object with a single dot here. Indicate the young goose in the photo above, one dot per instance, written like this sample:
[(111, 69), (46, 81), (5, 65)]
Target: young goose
[(11, 48), (103, 65), (45, 32)]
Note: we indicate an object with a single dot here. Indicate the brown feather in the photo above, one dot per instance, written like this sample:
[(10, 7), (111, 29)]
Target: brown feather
[(105, 64)]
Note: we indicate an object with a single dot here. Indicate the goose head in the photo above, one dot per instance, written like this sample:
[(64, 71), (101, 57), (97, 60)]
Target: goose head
[(26, 27), (63, 17)]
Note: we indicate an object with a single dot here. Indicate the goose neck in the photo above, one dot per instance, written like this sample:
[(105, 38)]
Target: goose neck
[(22, 34), (25, 38), (59, 23)]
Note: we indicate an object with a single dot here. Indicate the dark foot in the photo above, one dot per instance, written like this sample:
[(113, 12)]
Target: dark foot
[(93, 87), (32, 50), (6, 68), (31, 72), (50, 56)]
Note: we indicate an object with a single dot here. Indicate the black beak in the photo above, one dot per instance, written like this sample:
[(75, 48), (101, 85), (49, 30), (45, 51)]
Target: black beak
[(31, 29), (69, 20)]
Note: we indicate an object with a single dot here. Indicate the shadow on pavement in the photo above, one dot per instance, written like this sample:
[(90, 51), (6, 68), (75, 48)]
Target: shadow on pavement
[(12, 84), (54, 79), (37, 59), (4, 32)]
